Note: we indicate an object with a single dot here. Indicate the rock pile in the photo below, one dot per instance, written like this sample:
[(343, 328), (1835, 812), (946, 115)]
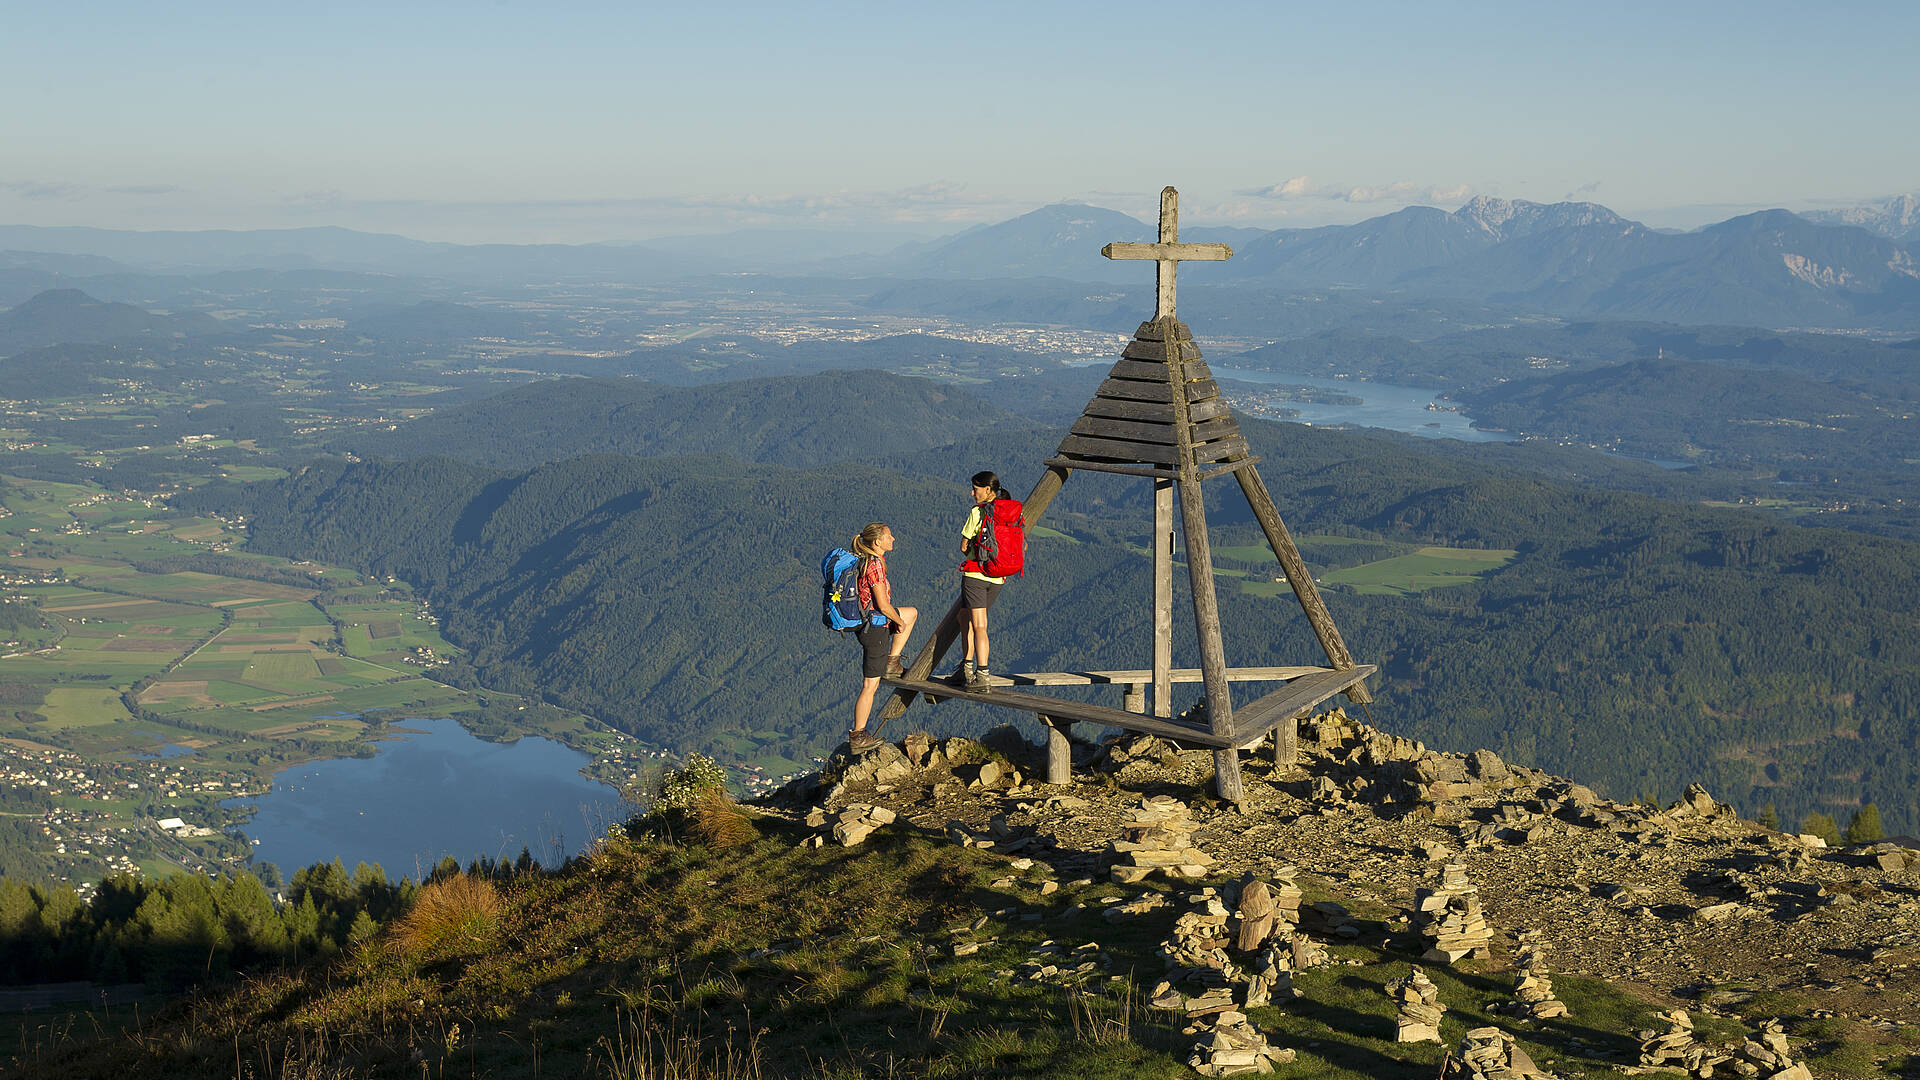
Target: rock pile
[(1677, 1047), (1490, 1054), (1420, 1008), (1893, 858), (1199, 941), (1535, 989), (1159, 836), (1449, 917), (1767, 1058), (852, 825), (1228, 1045), (1268, 910)]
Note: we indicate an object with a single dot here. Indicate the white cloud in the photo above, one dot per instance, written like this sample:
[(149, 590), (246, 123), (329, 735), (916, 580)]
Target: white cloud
[(37, 189), (1399, 191)]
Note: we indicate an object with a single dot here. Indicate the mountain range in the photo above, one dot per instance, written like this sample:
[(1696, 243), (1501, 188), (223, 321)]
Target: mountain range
[(1896, 219)]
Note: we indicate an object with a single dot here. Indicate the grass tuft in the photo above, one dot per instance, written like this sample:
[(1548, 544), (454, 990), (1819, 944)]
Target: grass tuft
[(457, 914), (718, 823)]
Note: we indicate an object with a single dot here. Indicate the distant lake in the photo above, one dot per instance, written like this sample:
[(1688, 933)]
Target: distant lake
[(433, 792), (1383, 405)]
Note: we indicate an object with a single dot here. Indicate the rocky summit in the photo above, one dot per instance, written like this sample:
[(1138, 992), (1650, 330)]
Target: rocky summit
[(1452, 858)]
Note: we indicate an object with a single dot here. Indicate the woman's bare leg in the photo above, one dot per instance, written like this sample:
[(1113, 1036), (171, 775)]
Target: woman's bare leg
[(908, 616), (863, 705), (977, 636)]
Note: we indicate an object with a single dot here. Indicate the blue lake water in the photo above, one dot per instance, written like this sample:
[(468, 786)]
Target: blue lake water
[(1383, 405), (437, 791)]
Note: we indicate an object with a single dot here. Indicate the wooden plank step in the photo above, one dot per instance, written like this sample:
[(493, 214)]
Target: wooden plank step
[(1125, 676), (1101, 427), (1160, 351), (1163, 330), (1075, 711), (1155, 412), (1256, 718), (1118, 450)]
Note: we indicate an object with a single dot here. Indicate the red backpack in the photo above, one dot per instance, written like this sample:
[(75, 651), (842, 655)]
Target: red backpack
[(1001, 548)]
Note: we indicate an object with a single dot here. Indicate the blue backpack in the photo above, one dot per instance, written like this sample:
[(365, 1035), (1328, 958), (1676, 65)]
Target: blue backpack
[(840, 607)]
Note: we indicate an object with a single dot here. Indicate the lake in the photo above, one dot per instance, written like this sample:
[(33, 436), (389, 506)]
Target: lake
[(433, 792), (1384, 405)]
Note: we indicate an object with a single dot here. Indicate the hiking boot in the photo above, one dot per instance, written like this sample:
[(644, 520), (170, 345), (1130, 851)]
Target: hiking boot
[(860, 741), (976, 682), (894, 670)]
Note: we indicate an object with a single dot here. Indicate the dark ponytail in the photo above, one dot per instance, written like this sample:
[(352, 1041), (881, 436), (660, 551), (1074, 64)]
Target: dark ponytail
[(990, 480)]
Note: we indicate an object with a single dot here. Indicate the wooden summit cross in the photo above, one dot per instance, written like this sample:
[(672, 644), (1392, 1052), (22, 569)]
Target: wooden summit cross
[(1159, 415)]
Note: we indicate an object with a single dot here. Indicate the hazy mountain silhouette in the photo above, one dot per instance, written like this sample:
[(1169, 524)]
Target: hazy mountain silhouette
[(71, 317)]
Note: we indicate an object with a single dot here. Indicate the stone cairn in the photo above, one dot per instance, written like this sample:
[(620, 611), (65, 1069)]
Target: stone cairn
[(1228, 1044), (1765, 1058), (1420, 1008), (1201, 952), (1159, 837), (1768, 1058), (852, 825), (1535, 989), (1677, 1047), (1491, 1054), (1449, 917)]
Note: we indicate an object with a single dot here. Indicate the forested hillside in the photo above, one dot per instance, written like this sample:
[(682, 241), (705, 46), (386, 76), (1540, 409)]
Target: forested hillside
[(1633, 643), (808, 420), (1694, 411)]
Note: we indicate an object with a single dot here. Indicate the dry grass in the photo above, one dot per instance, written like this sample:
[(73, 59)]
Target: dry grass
[(641, 1048), (459, 913), (718, 823)]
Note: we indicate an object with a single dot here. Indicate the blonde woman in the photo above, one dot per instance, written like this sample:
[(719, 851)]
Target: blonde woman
[(883, 635)]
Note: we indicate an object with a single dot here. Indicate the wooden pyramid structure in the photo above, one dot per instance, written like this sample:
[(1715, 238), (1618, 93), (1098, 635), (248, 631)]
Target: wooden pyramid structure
[(1160, 416)]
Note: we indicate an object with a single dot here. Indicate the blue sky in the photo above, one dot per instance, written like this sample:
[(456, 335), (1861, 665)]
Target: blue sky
[(583, 122)]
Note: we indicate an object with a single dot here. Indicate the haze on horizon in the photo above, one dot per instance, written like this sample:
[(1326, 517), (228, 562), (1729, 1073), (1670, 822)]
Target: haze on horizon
[(603, 122)]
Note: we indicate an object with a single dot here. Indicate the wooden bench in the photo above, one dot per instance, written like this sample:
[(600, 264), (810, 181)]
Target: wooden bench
[(1305, 687)]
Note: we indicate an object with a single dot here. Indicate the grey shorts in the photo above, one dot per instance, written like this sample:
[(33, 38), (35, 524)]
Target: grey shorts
[(975, 593)]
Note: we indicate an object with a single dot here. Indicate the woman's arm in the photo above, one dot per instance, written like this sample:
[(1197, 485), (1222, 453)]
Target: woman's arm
[(883, 600)]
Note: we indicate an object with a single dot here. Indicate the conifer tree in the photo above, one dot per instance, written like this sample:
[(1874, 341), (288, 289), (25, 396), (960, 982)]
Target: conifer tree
[(1768, 818), (1822, 826), (1865, 827)]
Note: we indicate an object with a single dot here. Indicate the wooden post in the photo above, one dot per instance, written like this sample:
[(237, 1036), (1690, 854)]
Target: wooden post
[(1213, 659), (1162, 541), (948, 631), (1298, 575), (1059, 750), (1206, 606), (1136, 700)]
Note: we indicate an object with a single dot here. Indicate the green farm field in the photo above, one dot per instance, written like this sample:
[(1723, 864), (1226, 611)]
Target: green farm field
[(1427, 568)]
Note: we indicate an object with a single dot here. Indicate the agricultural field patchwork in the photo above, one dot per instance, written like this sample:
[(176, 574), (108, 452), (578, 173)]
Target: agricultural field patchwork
[(1427, 568), (228, 676)]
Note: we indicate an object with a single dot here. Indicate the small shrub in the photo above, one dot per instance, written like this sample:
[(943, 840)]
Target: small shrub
[(683, 788), (717, 822), (459, 913)]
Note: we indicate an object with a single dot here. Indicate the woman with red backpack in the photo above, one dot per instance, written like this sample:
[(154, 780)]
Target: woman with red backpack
[(978, 588)]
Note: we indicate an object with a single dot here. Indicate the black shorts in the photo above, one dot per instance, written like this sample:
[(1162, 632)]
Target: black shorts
[(975, 593), (874, 643)]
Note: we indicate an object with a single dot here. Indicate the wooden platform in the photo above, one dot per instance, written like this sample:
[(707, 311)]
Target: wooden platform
[(1068, 712), (1305, 688)]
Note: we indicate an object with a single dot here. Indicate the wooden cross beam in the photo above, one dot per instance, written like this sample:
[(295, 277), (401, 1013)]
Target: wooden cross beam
[(1169, 253)]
